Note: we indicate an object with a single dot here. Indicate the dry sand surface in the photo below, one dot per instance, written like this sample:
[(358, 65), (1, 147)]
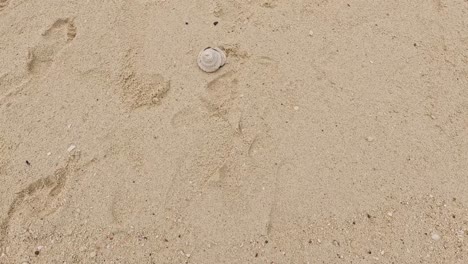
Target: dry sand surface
[(336, 133)]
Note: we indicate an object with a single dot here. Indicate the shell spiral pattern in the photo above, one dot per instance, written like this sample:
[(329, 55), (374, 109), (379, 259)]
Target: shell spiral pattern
[(211, 59)]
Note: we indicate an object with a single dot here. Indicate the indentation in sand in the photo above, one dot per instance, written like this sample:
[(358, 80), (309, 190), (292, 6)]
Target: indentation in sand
[(38, 199), (54, 39), (141, 89)]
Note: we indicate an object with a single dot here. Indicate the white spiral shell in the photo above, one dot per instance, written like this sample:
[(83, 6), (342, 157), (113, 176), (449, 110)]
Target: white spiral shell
[(211, 59)]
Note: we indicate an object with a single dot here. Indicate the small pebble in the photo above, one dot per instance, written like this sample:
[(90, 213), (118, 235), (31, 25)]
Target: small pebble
[(296, 107), (92, 254), (311, 33), (49, 153), (435, 236), (71, 148), (370, 139)]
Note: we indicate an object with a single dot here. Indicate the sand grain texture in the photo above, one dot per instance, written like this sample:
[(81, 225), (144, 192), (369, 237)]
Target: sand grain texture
[(336, 133)]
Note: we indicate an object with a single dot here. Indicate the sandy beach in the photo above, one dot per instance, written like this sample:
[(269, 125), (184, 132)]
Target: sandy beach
[(337, 132)]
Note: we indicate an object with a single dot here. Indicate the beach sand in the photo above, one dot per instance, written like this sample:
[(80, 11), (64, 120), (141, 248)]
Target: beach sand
[(337, 132)]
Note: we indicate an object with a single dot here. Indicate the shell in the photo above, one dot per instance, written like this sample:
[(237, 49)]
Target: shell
[(211, 59)]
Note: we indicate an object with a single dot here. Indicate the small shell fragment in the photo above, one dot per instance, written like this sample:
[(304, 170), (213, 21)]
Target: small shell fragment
[(71, 148), (211, 59)]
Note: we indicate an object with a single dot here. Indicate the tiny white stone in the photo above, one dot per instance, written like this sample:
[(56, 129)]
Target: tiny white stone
[(370, 139), (296, 107), (311, 33), (71, 148), (435, 236), (49, 153)]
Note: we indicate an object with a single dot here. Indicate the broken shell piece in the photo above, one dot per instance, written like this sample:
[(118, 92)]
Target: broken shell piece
[(211, 59), (71, 148)]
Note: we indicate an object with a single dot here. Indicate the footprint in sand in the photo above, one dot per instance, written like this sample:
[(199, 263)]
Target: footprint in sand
[(222, 99), (37, 200), (41, 56), (54, 39), (140, 89), (221, 92)]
